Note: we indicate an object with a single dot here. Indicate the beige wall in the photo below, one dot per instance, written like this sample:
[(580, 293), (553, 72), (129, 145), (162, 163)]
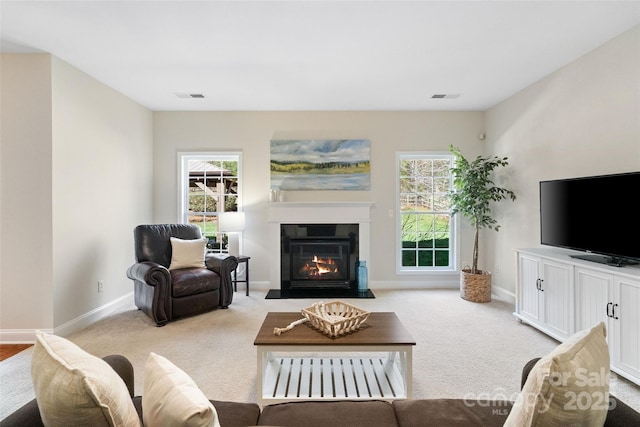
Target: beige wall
[(26, 263), (582, 120), (102, 186), (76, 178), (251, 133)]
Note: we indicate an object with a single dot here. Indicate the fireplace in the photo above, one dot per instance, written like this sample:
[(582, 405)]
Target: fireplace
[(305, 221), (318, 258), (319, 262)]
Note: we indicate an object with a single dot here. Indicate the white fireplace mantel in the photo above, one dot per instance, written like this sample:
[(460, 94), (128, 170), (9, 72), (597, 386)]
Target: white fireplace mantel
[(316, 213)]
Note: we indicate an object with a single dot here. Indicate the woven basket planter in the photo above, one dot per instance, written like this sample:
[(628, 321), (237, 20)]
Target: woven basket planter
[(475, 287)]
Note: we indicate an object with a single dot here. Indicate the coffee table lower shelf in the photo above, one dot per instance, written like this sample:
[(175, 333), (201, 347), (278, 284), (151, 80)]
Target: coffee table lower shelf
[(287, 379)]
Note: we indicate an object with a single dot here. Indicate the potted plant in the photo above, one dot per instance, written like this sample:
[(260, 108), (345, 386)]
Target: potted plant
[(472, 196)]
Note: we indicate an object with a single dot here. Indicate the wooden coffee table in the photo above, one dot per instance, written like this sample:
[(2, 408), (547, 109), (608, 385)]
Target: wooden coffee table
[(374, 362)]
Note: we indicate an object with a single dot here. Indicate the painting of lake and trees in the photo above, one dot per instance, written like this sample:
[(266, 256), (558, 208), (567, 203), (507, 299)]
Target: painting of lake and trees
[(320, 164)]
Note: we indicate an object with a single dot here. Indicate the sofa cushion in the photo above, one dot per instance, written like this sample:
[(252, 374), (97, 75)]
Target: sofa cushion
[(171, 398), (236, 413), (569, 386), (329, 413), (73, 387), (451, 412), (187, 253)]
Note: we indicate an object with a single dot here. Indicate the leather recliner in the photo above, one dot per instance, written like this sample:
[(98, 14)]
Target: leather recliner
[(164, 294)]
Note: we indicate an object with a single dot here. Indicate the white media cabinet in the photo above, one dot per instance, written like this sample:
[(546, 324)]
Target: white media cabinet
[(560, 295)]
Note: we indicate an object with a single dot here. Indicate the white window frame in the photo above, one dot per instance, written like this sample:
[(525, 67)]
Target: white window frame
[(183, 178), (453, 226)]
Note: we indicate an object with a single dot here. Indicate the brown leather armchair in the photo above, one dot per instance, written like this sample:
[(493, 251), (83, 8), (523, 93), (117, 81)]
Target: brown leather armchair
[(164, 294)]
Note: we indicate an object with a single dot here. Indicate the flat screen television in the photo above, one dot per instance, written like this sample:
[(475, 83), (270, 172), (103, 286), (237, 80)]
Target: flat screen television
[(597, 215)]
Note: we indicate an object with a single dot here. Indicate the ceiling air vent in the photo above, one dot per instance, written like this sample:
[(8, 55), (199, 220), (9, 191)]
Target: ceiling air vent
[(189, 95), (445, 96)]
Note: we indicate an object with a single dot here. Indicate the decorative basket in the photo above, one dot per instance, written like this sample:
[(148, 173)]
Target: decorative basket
[(475, 287), (335, 318)]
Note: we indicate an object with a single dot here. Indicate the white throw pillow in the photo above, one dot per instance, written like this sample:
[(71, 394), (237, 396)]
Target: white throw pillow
[(187, 253), (172, 399), (569, 386), (73, 387)]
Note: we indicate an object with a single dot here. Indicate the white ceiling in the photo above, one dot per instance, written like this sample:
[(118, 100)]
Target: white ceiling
[(315, 55)]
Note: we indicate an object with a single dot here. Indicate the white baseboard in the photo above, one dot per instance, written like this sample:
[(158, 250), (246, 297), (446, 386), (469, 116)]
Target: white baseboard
[(414, 284), (503, 294), (28, 336), (20, 336)]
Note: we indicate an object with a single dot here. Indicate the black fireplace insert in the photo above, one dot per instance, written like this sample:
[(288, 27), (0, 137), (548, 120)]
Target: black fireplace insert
[(319, 258), (320, 261)]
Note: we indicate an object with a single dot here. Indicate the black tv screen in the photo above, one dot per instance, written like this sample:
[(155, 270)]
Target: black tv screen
[(596, 214)]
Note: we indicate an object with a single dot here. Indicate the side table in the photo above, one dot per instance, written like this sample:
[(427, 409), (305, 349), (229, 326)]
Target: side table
[(241, 259)]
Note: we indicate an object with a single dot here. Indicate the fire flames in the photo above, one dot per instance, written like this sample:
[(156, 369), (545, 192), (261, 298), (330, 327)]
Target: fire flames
[(317, 267)]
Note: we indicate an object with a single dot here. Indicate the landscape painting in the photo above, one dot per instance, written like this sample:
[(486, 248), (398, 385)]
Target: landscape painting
[(320, 164)]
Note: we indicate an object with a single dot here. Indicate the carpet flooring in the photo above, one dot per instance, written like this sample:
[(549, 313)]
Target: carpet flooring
[(463, 349)]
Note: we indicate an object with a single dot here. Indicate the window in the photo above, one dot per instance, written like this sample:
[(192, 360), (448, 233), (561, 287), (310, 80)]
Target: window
[(425, 229), (209, 185)]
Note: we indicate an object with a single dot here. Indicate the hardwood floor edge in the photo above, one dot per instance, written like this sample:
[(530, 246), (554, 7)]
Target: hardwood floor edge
[(8, 350)]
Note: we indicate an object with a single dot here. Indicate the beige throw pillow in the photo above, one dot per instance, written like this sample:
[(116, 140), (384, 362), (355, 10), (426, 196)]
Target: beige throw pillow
[(187, 253), (172, 399), (74, 387), (569, 386)]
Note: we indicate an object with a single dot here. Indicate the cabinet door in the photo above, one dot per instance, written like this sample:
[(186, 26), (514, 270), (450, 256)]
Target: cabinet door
[(592, 298), (528, 294), (626, 327), (557, 287)]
